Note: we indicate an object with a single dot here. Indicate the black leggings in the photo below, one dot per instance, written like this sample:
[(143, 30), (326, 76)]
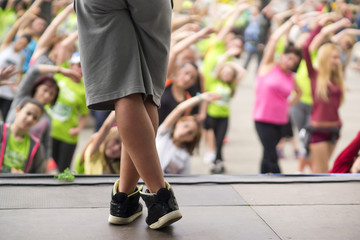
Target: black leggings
[(5, 105), (269, 135), (62, 154), (220, 126)]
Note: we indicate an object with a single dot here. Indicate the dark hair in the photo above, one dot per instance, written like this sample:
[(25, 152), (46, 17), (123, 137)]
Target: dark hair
[(32, 101), (294, 50), (27, 36), (298, 52), (49, 81), (190, 146), (23, 4), (41, 15), (191, 63), (194, 66), (238, 31)]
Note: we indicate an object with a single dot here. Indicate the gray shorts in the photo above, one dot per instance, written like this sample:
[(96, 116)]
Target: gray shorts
[(124, 47)]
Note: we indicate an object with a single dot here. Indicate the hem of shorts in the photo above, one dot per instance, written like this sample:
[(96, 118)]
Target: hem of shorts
[(101, 102), (59, 138)]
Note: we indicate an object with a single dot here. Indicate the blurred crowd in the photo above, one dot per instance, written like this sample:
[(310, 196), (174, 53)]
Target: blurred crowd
[(302, 49)]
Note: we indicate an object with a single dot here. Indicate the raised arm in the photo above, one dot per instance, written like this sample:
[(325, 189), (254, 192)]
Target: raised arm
[(30, 14), (269, 51), (348, 31), (10, 4), (175, 114), (281, 16), (27, 83), (239, 8), (193, 38), (64, 47), (240, 71), (306, 51), (183, 32), (180, 21), (100, 136), (46, 69), (45, 39), (10, 36), (327, 30), (180, 46)]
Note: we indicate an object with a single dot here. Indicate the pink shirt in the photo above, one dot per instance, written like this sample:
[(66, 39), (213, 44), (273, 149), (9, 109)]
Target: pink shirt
[(271, 96)]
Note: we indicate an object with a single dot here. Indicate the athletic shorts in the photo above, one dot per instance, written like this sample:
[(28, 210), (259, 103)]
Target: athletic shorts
[(124, 48), (325, 136)]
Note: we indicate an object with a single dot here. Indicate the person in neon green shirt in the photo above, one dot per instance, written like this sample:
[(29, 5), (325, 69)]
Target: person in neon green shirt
[(225, 78), (8, 18), (69, 114), (20, 152), (225, 41)]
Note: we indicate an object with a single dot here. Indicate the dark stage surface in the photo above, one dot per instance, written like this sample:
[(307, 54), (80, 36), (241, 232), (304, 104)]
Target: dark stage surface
[(213, 207)]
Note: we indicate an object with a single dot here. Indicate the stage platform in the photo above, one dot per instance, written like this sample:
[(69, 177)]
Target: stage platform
[(214, 207)]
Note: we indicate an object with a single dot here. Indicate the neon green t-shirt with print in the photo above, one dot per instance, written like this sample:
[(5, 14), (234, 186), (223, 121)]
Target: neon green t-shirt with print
[(7, 20), (303, 81), (16, 153), (221, 107), (280, 47), (203, 45), (216, 49), (69, 105)]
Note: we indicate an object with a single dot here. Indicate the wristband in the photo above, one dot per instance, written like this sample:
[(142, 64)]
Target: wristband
[(199, 96)]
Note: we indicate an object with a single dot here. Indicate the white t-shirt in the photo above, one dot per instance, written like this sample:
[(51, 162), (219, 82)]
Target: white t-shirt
[(9, 57), (172, 159)]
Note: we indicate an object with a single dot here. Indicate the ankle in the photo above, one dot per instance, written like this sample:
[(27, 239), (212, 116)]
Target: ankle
[(155, 188), (118, 187)]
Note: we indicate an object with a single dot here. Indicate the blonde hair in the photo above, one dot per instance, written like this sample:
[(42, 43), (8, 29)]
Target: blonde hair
[(112, 134), (326, 74)]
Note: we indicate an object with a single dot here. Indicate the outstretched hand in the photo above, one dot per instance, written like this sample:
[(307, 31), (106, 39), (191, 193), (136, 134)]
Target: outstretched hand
[(206, 31), (6, 73), (210, 96), (326, 17), (71, 74)]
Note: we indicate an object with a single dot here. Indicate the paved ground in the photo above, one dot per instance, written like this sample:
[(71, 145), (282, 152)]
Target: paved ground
[(243, 151)]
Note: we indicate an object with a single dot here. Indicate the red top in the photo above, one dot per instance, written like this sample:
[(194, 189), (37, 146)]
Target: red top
[(345, 160), (323, 111)]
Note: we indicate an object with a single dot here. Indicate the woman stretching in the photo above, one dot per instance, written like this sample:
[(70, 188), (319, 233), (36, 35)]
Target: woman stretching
[(327, 86), (275, 82)]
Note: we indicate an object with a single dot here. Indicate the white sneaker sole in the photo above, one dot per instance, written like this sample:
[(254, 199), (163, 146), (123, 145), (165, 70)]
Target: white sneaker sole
[(122, 221), (167, 219)]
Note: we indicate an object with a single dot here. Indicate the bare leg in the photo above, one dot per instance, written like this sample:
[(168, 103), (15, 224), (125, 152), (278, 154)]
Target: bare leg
[(137, 123), (130, 175), (303, 162), (280, 145), (321, 153)]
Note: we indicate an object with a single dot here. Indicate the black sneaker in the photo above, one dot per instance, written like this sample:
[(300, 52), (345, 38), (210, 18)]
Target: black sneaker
[(163, 209), (124, 208)]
